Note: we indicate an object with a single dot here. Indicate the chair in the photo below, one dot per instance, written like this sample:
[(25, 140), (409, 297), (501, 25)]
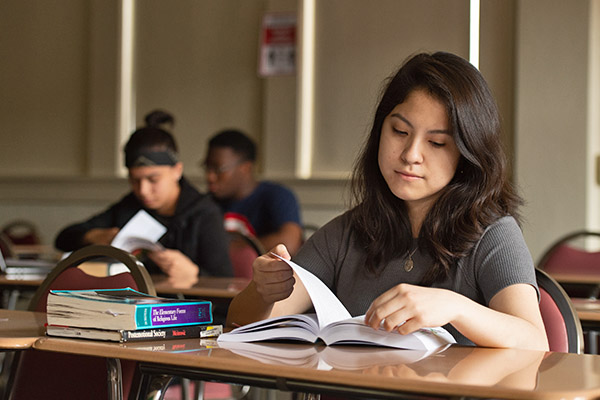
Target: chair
[(568, 254), (38, 374), (243, 250), (21, 232), (563, 327)]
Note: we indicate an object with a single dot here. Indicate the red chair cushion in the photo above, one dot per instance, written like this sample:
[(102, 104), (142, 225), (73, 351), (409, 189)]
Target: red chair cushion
[(566, 258), (556, 329)]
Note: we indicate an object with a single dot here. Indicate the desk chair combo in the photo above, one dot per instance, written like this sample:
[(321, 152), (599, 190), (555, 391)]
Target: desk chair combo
[(243, 250), (569, 255), (21, 232), (46, 375)]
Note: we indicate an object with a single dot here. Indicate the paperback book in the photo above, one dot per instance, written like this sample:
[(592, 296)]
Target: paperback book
[(174, 332), (126, 309), (332, 324)]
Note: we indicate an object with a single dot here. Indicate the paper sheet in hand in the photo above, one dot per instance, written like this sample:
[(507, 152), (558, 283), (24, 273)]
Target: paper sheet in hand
[(141, 231)]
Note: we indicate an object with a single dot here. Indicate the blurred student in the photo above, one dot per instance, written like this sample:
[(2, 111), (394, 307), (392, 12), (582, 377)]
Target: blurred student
[(266, 209), (195, 242), (433, 237)]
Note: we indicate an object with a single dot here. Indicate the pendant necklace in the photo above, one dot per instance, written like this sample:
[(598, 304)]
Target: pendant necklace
[(409, 264)]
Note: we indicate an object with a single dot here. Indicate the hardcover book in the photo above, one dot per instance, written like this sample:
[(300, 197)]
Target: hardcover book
[(332, 324), (126, 309), (173, 332)]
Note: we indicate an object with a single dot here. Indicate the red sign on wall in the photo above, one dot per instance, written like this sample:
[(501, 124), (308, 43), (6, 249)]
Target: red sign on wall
[(278, 45)]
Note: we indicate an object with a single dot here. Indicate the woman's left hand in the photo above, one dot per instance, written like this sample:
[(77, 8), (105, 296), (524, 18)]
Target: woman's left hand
[(409, 308)]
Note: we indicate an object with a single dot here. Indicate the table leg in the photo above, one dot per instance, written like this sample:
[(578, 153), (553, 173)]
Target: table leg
[(153, 387), (115, 379)]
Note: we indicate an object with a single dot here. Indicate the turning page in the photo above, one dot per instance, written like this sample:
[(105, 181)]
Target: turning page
[(327, 306)]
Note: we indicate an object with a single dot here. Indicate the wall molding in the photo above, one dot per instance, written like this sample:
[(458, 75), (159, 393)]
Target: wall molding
[(321, 193)]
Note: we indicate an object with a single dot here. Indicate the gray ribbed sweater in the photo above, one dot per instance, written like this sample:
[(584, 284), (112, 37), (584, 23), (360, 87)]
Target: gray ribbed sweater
[(500, 258)]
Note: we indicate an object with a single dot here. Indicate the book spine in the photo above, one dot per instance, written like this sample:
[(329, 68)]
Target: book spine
[(163, 315), (180, 332)]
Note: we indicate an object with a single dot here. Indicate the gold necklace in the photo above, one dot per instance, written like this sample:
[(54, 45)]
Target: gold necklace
[(409, 264)]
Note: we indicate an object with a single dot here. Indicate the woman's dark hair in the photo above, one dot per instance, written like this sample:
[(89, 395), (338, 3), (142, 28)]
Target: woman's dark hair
[(151, 138), (159, 118), (479, 192)]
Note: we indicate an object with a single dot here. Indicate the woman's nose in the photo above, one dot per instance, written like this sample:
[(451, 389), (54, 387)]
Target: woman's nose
[(412, 153)]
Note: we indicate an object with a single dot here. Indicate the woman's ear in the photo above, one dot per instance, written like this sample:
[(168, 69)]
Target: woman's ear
[(178, 169)]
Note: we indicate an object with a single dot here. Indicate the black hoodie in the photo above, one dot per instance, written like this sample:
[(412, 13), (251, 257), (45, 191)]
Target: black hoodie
[(196, 230)]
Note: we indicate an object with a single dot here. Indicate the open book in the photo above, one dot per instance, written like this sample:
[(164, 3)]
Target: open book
[(333, 324)]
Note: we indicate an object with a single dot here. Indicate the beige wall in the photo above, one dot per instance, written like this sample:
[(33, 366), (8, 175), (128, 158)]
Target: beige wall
[(43, 77), (60, 153), (554, 158)]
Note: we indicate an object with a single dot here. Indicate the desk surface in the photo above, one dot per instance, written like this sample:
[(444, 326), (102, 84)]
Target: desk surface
[(570, 277), (464, 371), (205, 287), (20, 329), (587, 309)]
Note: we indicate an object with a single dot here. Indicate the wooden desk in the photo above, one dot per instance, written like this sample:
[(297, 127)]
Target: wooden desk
[(577, 278), (207, 287), (20, 329), (587, 310), (36, 251), (456, 371), (203, 287)]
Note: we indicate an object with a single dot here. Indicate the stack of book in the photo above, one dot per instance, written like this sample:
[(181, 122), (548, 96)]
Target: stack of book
[(124, 315)]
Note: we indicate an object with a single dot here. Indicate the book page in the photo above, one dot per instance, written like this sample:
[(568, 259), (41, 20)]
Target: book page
[(328, 307), (142, 226)]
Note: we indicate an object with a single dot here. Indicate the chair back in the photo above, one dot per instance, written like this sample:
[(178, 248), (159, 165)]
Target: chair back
[(21, 232), (565, 255), (243, 250), (562, 324), (56, 375)]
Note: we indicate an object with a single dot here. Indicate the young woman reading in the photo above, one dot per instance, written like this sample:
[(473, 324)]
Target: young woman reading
[(432, 238)]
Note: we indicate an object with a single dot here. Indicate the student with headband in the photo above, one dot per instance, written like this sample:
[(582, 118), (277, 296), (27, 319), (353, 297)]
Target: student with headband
[(195, 242)]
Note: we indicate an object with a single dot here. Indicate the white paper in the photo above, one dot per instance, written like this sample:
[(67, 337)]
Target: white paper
[(327, 306), (141, 226)]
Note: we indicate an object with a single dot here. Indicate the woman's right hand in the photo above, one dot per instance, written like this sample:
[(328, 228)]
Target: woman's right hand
[(273, 278)]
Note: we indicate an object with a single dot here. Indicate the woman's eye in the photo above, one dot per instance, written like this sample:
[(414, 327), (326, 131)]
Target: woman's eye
[(437, 144), (400, 132)]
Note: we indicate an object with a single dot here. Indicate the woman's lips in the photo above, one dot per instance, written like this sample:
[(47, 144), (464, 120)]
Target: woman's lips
[(409, 176)]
